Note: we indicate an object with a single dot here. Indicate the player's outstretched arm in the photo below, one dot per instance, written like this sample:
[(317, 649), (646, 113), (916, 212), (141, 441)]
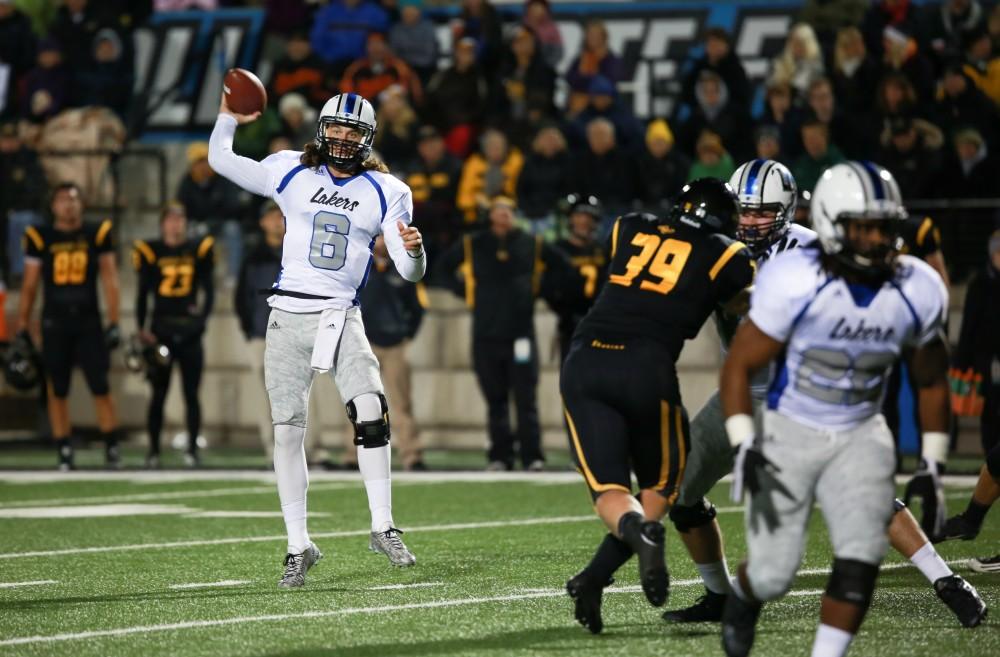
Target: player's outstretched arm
[(248, 174)]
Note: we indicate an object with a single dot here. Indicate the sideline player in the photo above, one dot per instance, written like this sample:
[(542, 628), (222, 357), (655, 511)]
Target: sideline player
[(619, 382), (836, 316), (173, 269), (68, 257), (767, 195), (336, 198)]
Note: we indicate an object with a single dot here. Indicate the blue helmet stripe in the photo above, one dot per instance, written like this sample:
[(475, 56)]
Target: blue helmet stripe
[(876, 179), (752, 177), (351, 100)]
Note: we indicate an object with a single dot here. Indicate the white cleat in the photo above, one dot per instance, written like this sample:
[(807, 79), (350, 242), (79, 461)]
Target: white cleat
[(297, 565), (391, 545)]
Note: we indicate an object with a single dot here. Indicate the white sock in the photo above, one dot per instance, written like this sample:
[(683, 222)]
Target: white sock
[(293, 480), (930, 563), (831, 642), (715, 575), (373, 462)]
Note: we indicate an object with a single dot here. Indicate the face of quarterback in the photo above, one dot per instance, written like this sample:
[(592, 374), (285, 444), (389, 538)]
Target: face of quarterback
[(344, 133), (67, 208)]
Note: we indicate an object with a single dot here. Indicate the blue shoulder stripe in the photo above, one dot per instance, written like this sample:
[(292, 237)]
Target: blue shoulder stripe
[(378, 188), (288, 178)]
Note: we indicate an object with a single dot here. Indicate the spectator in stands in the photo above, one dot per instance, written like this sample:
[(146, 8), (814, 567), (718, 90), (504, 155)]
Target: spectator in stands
[(258, 272), (712, 160), (47, 86), (397, 127), (721, 60), (900, 53), (800, 62), (213, 202), (392, 309), (480, 21), (895, 97), (716, 112), (971, 171), (341, 28), (982, 64), (855, 73), (819, 154), (901, 14), (525, 88), (911, 150), (962, 104), (491, 172), (298, 120), (286, 17), (374, 73), (538, 18), (500, 271), (107, 79), (456, 98), (605, 103), (595, 59), (603, 169), (545, 178), (662, 169), (767, 144), (22, 194), (828, 17), (300, 71), (17, 54), (75, 25), (780, 113), (433, 179), (252, 139), (851, 133), (943, 25), (414, 40)]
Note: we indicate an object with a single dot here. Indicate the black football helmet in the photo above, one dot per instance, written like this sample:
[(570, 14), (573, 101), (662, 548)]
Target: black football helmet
[(141, 358), (708, 204), (22, 365)]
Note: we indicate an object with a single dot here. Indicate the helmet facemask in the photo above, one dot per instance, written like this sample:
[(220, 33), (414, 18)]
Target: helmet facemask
[(344, 154), (760, 236), (873, 260)]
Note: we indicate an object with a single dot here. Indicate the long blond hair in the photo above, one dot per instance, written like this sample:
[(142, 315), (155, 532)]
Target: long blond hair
[(313, 158)]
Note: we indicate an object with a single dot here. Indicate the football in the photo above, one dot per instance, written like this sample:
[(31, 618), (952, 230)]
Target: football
[(244, 92)]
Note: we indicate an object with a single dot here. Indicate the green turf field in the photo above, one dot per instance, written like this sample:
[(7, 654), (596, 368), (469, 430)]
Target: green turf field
[(492, 559)]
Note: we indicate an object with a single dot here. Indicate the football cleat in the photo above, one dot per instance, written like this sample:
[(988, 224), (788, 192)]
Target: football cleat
[(153, 461), (739, 626), (66, 458), (586, 596), (958, 527), (985, 564), (538, 465), (652, 565), (963, 599), (192, 460), (391, 545), (112, 457), (706, 609), (297, 565)]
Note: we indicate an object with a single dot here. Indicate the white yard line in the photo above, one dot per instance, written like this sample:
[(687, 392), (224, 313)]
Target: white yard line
[(351, 611), (207, 585), (415, 585), (37, 582)]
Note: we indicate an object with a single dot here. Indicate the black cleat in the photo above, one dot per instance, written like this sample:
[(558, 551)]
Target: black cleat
[(112, 457), (652, 564), (587, 600), (958, 527), (706, 609), (739, 626), (963, 600), (66, 463)]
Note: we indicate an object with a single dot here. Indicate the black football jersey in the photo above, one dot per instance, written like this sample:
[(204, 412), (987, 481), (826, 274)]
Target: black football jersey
[(920, 237), (664, 281), (174, 274), (69, 265)]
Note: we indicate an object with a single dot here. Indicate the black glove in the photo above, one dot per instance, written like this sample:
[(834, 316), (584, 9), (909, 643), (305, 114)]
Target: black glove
[(112, 336), (754, 472), (926, 485)]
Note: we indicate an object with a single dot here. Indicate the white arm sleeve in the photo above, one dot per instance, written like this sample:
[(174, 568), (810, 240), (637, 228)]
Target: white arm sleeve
[(410, 267), (249, 174)]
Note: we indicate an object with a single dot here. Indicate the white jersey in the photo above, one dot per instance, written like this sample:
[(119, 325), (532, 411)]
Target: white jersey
[(330, 223), (796, 237), (840, 339)]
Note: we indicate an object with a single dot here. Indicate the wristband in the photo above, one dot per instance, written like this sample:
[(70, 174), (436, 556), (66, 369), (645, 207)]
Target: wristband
[(739, 428), (935, 446)]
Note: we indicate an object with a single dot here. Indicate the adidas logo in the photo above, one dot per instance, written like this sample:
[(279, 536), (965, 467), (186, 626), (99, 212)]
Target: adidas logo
[(273, 325)]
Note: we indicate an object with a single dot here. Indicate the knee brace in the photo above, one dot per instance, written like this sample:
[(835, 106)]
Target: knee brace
[(852, 581), (373, 432), (898, 505), (686, 518), (993, 463)]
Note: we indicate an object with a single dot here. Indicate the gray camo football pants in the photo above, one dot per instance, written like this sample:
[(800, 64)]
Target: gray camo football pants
[(848, 473), (288, 374)]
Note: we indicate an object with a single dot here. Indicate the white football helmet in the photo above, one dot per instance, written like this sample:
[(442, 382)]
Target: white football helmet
[(857, 190), (353, 111), (764, 186)]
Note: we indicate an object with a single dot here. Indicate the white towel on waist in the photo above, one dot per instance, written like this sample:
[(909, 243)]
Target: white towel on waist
[(328, 332)]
